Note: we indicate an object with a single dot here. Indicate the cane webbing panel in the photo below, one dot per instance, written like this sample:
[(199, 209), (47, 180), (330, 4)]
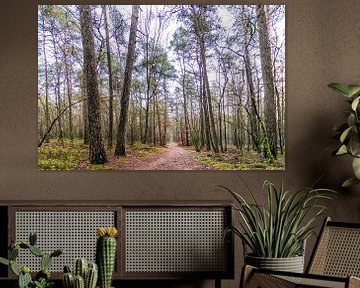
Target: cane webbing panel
[(74, 231), (338, 252), (175, 241), (313, 282)]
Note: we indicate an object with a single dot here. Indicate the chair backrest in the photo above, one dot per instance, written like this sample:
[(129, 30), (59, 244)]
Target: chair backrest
[(337, 251)]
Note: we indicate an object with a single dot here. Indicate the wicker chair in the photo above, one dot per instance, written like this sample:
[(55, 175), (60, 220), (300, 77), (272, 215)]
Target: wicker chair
[(334, 263)]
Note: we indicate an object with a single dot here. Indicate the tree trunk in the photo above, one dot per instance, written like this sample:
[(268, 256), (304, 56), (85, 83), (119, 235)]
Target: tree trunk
[(69, 92), (268, 78), (57, 85), (148, 84), (163, 142), (111, 93), (120, 144), (85, 109), (186, 115), (203, 100), (47, 112), (252, 102), (197, 22), (96, 148)]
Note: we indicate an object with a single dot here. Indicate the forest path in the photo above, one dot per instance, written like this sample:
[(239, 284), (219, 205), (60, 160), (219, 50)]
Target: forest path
[(173, 158)]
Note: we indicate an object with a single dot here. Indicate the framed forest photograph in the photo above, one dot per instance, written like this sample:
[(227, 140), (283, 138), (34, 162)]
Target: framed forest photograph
[(161, 87)]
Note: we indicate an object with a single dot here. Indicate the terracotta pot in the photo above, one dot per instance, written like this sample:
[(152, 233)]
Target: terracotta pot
[(291, 264)]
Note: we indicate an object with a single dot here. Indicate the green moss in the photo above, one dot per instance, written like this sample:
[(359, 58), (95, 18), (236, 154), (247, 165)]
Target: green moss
[(234, 160), (96, 167), (54, 156), (74, 155)]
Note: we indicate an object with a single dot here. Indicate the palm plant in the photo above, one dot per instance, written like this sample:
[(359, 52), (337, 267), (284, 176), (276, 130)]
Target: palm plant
[(280, 229)]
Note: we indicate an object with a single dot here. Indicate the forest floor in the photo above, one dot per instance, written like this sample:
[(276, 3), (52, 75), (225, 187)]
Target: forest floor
[(74, 156), (233, 159), (174, 157)]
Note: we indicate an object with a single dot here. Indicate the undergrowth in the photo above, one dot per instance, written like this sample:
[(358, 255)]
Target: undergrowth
[(234, 160), (74, 155)]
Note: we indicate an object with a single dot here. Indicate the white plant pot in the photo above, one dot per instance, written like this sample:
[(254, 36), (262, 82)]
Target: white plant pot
[(291, 264)]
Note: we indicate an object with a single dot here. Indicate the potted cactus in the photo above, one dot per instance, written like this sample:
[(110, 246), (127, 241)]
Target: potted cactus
[(106, 254), (42, 278), (85, 275)]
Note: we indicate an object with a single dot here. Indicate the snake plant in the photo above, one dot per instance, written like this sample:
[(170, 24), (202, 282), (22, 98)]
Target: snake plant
[(349, 131), (279, 228)]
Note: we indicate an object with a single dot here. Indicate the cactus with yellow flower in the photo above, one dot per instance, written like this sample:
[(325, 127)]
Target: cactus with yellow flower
[(106, 254)]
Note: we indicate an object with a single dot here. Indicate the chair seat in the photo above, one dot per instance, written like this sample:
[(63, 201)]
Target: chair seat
[(268, 279), (314, 282)]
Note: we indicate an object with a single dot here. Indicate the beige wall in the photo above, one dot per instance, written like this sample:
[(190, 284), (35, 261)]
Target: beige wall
[(322, 46)]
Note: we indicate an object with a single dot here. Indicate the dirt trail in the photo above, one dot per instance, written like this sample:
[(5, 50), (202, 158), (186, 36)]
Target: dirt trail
[(174, 158)]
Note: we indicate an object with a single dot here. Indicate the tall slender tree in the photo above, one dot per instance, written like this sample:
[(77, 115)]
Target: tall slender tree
[(120, 149), (268, 78), (111, 93), (97, 153)]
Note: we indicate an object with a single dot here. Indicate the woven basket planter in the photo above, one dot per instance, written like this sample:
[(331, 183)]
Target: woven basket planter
[(291, 264)]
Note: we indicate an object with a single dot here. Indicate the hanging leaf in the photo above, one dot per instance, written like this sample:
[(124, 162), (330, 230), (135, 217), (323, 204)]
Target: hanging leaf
[(353, 89), (356, 167), (340, 88), (351, 120), (354, 145), (345, 134), (355, 103), (342, 150), (349, 182)]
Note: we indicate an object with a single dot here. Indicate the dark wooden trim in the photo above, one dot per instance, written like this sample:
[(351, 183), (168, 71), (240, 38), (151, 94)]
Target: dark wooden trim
[(114, 203), (343, 224)]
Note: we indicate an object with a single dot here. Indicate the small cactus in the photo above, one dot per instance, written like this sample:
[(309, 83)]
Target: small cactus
[(24, 280), (32, 239), (23, 273), (83, 274), (91, 276), (13, 253), (79, 282), (106, 254), (14, 268), (68, 280), (45, 261), (36, 251), (80, 268)]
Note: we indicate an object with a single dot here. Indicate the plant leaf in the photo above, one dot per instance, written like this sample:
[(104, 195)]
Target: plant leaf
[(356, 167), (342, 150), (340, 88), (353, 89), (351, 120), (345, 134), (354, 145), (4, 261), (349, 182), (355, 103)]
